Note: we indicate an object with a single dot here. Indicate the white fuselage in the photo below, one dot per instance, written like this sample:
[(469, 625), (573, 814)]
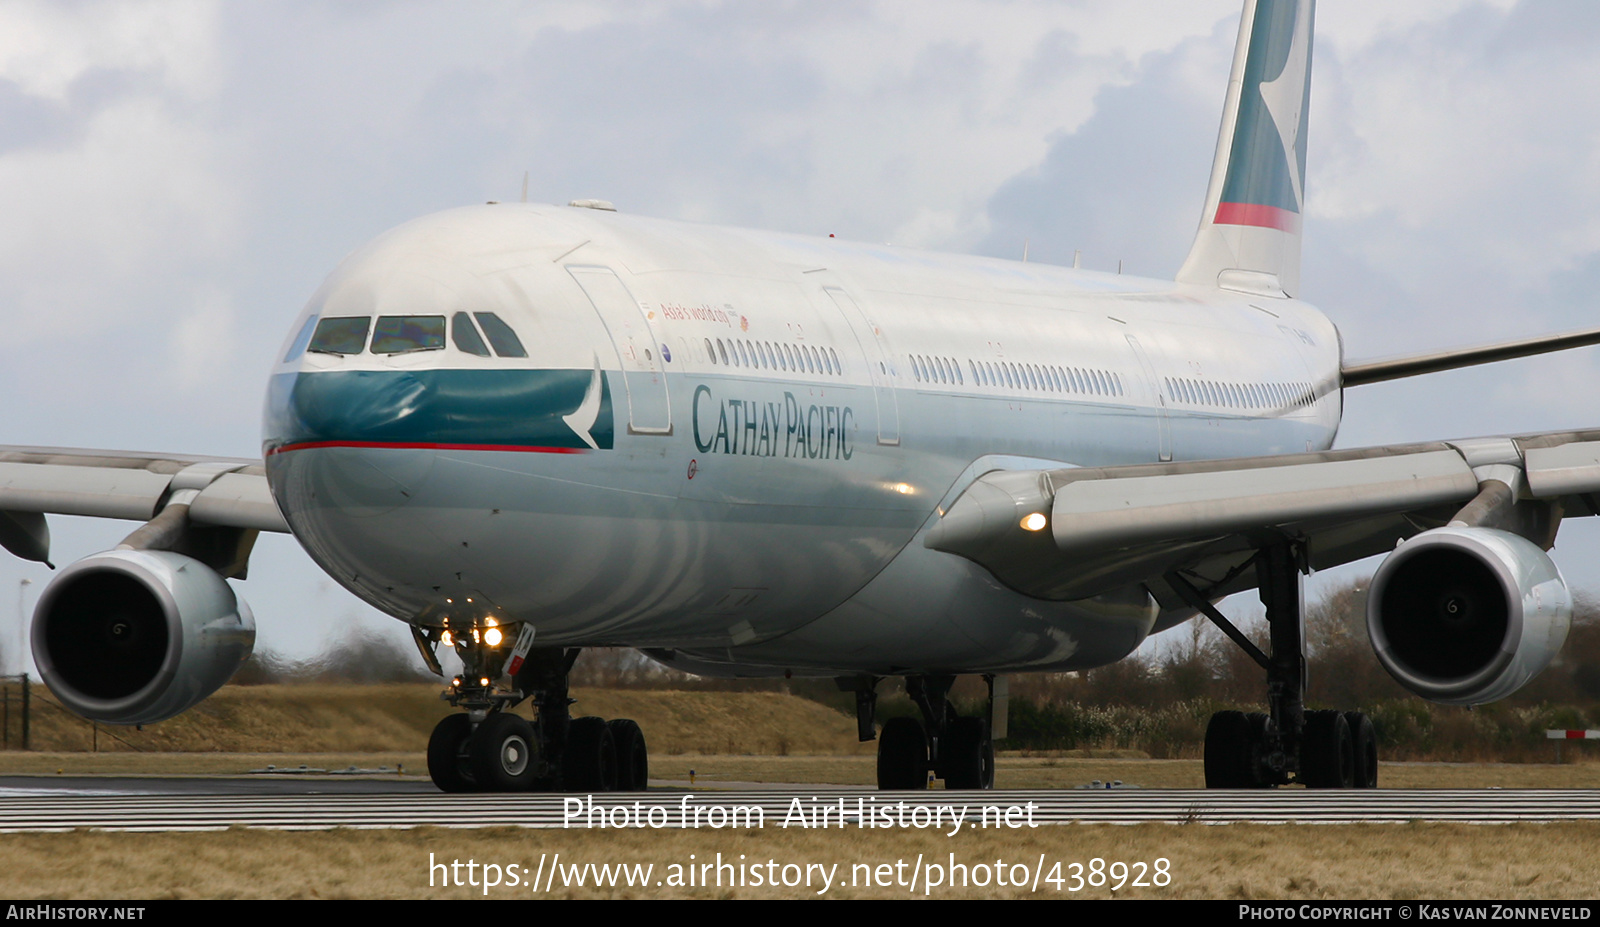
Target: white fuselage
[(724, 445)]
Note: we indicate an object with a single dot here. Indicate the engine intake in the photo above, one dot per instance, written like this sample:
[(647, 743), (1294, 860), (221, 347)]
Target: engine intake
[(1464, 615), (137, 636)]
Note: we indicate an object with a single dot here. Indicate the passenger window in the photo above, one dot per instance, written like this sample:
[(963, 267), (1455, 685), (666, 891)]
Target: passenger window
[(298, 346), (710, 351), (340, 336), (722, 352), (399, 334), (465, 335), (505, 341)]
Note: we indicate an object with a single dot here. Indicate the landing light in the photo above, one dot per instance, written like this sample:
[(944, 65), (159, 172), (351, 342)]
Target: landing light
[(1034, 522), (492, 637), (447, 639), (903, 489)]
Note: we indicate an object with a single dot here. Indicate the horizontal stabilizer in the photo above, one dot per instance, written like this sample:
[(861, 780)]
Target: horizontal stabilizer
[(1395, 368)]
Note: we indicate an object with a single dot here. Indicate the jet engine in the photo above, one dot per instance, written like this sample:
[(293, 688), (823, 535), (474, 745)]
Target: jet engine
[(137, 636), (1465, 615)]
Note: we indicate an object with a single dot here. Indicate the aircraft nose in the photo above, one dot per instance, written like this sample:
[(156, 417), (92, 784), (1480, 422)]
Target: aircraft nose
[(359, 429)]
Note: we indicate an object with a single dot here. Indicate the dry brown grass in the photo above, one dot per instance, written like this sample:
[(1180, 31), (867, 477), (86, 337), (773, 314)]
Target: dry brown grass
[(1230, 862), (317, 718)]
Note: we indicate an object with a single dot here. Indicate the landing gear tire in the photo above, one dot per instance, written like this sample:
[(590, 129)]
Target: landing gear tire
[(633, 759), (501, 754), (1259, 775), (1230, 753), (969, 760), (1365, 741), (590, 763), (1327, 752), (902, 755), (447, 760)]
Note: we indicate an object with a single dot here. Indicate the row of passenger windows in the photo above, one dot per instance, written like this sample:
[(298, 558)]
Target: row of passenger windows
[(1043, 378), (1240, 395), (767, 355), (402, 334)]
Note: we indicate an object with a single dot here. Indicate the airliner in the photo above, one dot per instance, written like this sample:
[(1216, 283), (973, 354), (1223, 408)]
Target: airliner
[(526, 430)]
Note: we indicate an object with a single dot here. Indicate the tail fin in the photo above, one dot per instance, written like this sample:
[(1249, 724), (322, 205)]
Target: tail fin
[(1249, 236)]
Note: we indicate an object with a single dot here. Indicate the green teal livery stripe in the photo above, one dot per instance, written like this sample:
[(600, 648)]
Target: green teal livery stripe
[(482, 409)]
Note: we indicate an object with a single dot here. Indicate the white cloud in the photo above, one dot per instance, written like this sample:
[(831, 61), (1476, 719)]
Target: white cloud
[(46, 48)]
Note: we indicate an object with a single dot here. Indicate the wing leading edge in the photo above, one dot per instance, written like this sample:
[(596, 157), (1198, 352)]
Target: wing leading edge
[(209, 506), (1111, 527)]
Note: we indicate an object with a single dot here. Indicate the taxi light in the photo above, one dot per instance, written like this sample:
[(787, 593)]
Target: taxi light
[(1034, 522), (492, 637), (447, 639), (484, 682)]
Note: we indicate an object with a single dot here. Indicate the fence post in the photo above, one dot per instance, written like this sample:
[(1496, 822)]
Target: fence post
[(25, 711)]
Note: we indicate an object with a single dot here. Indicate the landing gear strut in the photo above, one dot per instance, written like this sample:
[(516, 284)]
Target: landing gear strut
[(489, 749), (1319, 749), (955, 748)]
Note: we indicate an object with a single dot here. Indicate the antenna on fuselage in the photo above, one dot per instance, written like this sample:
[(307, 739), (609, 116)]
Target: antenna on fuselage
[(1077, 259), (524, 186), (1024, 251)]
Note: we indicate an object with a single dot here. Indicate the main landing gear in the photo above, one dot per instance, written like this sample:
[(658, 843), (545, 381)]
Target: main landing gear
[(1319, 749), (489, 749), (953, 747)]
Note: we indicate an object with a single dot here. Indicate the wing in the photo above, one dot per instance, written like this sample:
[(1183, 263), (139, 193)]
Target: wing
[(209, 507), (1202, 522)]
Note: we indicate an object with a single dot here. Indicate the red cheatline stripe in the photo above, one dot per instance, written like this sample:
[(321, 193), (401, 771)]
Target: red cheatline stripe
[(421, 445), (1267, 217)]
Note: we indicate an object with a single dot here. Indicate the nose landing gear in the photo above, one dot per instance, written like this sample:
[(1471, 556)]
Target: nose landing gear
[(489, 749)]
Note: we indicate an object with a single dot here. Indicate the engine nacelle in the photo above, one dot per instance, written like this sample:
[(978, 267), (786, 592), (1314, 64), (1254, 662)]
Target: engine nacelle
[(137, 636), (1467, 615)]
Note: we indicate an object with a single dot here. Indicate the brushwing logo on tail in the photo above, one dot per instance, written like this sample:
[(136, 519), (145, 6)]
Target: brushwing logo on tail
[(1265, 186)]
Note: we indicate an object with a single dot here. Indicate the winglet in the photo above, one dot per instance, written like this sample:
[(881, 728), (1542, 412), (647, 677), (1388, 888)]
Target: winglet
[(1249, 237)]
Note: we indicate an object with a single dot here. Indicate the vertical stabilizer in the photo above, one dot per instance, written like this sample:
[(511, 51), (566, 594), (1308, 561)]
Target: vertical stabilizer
[(1249, 236)]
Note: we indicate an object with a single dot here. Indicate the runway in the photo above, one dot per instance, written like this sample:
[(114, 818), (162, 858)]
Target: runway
[(29, 804)]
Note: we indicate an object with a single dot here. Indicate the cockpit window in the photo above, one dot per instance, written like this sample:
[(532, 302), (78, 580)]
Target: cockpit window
[(340, 336), (298, 346), (398, 334), (466, 336), (505, 341)]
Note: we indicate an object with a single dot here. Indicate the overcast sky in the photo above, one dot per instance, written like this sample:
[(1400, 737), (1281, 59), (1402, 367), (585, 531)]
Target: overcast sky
[(177, 178)]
